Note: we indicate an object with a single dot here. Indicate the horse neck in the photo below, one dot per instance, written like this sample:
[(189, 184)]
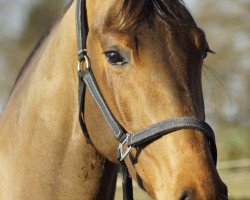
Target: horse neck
[(42, 146)]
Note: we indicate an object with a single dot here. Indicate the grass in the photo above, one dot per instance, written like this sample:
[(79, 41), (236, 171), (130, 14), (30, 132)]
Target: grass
[(233, 143), (238, 183)]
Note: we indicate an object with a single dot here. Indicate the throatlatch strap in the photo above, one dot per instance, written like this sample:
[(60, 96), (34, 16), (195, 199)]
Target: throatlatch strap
[(81, 97)]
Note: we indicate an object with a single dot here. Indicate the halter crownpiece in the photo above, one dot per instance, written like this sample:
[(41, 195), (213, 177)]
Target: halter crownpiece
[(82, 29), (126, 140)]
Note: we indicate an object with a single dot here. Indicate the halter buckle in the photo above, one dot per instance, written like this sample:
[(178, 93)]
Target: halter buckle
[(86, 59), (123, 154)]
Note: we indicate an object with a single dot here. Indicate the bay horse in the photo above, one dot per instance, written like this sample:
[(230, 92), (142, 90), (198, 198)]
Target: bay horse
[(146, 57)]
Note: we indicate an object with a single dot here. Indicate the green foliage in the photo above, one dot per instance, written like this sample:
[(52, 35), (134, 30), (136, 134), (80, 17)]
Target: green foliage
[(233, 143)]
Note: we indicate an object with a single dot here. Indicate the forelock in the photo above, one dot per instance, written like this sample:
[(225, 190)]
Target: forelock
[(128, 14)]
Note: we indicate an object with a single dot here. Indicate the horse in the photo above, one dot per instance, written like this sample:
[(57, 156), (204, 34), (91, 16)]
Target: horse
[(146, 57)]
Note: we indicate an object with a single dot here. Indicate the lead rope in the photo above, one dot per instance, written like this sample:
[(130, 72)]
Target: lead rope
[(127, 184)]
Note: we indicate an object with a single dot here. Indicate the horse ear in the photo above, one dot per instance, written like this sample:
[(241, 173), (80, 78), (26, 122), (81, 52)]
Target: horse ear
[(200, 40), (210, 51)]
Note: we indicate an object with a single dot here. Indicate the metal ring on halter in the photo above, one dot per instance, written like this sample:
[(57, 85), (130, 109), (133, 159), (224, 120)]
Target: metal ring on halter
[(123, 154), (86, 59)]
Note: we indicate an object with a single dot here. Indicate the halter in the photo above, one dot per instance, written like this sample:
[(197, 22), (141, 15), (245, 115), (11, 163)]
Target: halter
[(126, 140)]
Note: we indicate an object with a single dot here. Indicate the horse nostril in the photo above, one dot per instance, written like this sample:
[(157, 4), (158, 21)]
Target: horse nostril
[(185, 195)]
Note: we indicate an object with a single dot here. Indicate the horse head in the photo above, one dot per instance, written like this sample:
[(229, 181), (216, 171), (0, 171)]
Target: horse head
[(147, 59)]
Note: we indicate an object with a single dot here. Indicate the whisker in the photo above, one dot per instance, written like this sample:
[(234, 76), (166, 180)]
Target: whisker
[(211, 88), (224, 197), (219, 80)]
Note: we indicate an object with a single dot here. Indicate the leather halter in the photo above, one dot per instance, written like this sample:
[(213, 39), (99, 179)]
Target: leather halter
[(126, 140)]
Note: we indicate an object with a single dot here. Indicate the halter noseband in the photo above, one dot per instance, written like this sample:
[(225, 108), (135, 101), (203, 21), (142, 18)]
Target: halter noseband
[(126, 141)]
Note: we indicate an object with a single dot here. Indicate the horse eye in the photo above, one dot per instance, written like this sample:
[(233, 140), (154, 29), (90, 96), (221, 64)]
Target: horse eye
[(115, 58), (204, 54)]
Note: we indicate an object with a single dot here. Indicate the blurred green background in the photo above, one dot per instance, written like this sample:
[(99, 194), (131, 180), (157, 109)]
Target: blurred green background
[(226, 75)]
